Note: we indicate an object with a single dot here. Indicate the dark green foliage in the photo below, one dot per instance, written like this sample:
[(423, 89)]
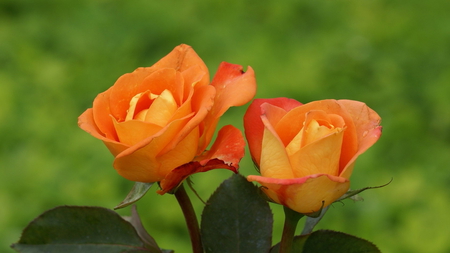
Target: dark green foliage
[(79, 230), (325, 241), (236, 219)]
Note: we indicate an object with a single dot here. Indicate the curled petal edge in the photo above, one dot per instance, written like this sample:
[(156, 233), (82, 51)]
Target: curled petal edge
[(369, 139), (253, 125), (179, 174), (306, 195), (226, 152), (292, 181)]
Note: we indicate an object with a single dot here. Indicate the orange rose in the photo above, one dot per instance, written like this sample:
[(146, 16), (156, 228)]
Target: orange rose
[(306, 153), (160, 119)]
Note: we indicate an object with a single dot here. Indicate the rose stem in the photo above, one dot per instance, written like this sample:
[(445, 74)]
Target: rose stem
[(290, 224), (191, 219)]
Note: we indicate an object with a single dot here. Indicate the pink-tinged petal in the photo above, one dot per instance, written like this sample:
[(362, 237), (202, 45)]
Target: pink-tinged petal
[(178, 175), (368, 139), (365, 119), (86, 122), (254, 127), (274, 161), (234, 87), (304, 195), (368, 129), (273, 113), (229, 147), (144, 162)]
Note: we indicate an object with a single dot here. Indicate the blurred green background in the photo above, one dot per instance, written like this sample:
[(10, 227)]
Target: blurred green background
[(56, 56)]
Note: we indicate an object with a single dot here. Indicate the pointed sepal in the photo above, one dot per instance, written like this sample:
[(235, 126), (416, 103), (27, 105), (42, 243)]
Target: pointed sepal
[(137, 192)]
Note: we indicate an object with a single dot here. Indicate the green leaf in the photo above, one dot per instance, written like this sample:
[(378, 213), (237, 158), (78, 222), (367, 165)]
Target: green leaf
[(330, 241), (236, 219), (137, 192), (71, 229)]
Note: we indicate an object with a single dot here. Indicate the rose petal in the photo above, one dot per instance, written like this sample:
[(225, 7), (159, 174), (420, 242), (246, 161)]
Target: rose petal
[(368, 129), (228, 147), (118, 97), (182, 58), (365, 119), (143, 163), (178, 175), (319, 124), (233, 88), (179, 59), (165, 79), (292, 123), (162, 109), (254, 127), (274, 161), (304, 195), (202, 101), (370, 137), (138, 103), (86, 122), (320, 156), (273, 113), (101, 115), (226, 152), (194, 77), (133, 131)]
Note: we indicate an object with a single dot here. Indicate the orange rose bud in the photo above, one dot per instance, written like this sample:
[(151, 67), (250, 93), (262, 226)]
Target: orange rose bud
[(306, 153), (159, 118)]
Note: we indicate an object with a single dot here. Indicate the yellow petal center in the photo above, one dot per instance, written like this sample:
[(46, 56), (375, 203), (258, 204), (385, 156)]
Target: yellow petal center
[(312, 131), (152, 108)]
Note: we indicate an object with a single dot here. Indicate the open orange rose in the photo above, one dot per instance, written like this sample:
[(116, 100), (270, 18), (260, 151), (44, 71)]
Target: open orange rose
[(306, 153), (160, 119)]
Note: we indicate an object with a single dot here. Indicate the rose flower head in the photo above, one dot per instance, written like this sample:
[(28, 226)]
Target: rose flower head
[(158, 121), (306, 152)]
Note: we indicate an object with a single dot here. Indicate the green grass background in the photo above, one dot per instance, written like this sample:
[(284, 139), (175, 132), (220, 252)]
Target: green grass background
[(57, 55)]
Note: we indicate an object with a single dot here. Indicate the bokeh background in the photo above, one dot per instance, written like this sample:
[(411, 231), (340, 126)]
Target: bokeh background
[(57, 55)]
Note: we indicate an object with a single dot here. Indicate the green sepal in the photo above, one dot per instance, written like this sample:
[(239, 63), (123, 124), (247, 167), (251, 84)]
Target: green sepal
[(352, 194), (137, 192)]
